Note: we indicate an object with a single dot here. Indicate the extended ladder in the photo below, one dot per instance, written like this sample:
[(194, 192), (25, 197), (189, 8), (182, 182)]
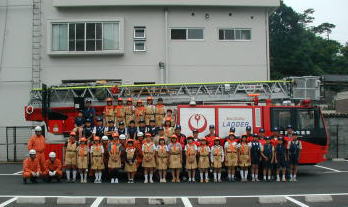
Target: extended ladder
[(180, 93)]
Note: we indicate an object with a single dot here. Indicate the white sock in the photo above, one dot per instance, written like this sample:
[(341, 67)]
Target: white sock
[(252, 175), (291, 176), (85, 178), (219, 176), (100, 175), (278, 177), (190, 179), (201, 175), (67, 174), (74, 174), (151, 176), (264, 177), (145, 176), (269, 177), (246, 174), (214, 175), (81, 175), (206, 175), (295, 176), (232, 176), (229, 176), (283, 177), (242, 174)]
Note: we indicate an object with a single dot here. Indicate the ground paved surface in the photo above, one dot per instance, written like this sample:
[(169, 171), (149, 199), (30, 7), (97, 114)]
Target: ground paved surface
[(329, 178)]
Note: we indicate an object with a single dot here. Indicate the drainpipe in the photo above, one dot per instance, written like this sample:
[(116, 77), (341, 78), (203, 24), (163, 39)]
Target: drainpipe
[(166, 64)]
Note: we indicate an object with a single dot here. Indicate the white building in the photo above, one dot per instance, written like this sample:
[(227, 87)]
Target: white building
[(153, 41)]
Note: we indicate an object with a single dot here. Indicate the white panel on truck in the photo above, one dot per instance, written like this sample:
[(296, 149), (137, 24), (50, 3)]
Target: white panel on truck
[(239, 118), (196, 118)]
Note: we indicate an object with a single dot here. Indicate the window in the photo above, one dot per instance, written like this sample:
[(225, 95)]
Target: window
[(139, 45), (305, 120), (139, 32), (139, 39), (234, 34), (187, 34), (85, 36), (281, 118)]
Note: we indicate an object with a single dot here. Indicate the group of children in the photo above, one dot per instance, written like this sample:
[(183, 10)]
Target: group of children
[(147, 154)]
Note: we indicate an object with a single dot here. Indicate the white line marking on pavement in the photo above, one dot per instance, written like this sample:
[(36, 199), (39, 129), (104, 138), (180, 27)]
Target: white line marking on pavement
[(8, 202), (331, 172), (18, 173), (178, 196), (296, 201), (9, 174), (97, 202), (186, 202), (327, 168)]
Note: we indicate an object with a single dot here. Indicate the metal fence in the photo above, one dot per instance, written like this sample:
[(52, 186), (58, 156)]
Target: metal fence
[(338, 146), (16, 142)]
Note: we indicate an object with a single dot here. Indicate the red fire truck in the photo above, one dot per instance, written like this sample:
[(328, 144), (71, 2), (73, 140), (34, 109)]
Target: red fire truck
[(228, 104)]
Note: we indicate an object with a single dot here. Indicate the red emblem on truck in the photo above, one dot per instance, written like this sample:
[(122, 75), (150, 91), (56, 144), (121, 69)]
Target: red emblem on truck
[(195, 123)]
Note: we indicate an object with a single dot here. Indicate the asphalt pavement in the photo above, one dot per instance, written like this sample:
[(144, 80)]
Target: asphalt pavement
[(325, 179)]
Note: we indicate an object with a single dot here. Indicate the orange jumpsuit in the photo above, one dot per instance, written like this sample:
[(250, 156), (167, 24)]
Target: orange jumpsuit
[(160, 112), (30, 165), (109, 113), (120, 114), (38, 143), (53, 166), (139, 114)]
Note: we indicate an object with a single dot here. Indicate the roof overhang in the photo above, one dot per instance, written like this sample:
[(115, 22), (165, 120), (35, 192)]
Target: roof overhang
[(215, 3)]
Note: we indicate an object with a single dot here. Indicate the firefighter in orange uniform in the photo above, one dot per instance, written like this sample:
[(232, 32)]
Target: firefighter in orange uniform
[(149, 110), (31, 167), (53, 168), (38, 143), (129, 111), (120, 112), (160, 112), (109, 111), (139, 111)]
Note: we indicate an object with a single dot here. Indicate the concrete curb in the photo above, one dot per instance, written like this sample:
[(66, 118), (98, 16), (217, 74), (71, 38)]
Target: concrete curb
[(318, 198), (71, 200), (162, 201), (28, 200), (268, 200), (120, 201), (212, 200)]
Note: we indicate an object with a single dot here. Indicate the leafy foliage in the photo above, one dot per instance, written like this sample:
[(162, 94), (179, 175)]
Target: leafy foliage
[(298, 50)]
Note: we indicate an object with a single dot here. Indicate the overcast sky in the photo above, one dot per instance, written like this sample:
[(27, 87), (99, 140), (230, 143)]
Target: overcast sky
[(332, 11)]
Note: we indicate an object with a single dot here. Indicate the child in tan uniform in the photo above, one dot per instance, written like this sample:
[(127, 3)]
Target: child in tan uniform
[(162, 159), (149, 162), (97, 163), (244, 158), (175, 158), (115, 150), (231, 156), (82, 159), (191, 159), (203, 160), (130, 164), (70, 157), (217, 158)]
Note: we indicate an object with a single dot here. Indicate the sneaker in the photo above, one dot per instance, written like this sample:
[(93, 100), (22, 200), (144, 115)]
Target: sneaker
[(202, 181), (253, 180), (132, 181), (284, 180), (193, 180), (164, 180), (215, 180), (257, 180), (95, 181), (116, 180), (129, 181), (207, 180), (294, 179), (112, 180), (145, 181), (219, 180), (278, 179), (151, 181)]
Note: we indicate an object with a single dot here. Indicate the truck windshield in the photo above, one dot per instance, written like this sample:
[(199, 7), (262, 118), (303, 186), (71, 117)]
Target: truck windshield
[(305, 119)]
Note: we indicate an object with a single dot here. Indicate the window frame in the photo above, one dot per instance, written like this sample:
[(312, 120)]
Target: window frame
[(119, 51), (234, 29), (134, 31), (135, 41), (187, 29)]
